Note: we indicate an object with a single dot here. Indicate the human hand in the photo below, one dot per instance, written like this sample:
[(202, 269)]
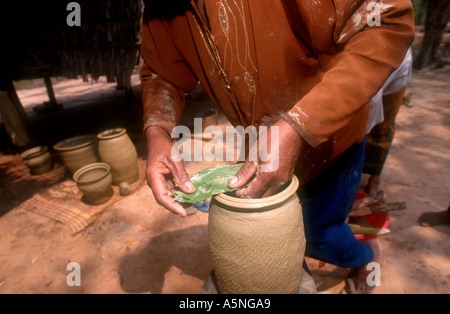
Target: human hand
[(270, 174), (164, 170)]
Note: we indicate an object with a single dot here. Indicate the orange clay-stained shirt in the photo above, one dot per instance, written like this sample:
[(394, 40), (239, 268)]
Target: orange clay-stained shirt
[(314, 63)]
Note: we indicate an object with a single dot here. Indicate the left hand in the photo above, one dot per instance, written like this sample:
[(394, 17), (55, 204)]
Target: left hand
[(278, 170)]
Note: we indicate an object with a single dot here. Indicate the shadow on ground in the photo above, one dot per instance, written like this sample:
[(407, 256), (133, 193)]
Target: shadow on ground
[(145, 271)]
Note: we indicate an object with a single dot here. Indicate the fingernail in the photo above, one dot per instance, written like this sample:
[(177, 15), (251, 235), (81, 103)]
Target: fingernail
[(180, 211), (180, 215), (190, 186), (233, 181)]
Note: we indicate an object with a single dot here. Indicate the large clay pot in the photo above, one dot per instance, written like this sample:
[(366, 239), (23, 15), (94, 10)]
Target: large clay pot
[(116, 149), (95, 180), (257, 245), (78, 151), (38, 160)]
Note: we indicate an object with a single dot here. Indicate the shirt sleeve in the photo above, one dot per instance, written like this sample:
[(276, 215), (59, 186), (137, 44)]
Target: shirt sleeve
[(165, 77), (367, 58)]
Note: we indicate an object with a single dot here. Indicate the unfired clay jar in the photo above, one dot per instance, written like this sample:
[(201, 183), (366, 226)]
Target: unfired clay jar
[(257, 245), (116, 149), (38, 160), (95, 180), (78, 151)]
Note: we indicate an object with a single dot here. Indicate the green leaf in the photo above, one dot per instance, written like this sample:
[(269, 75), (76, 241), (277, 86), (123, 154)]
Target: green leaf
[(208, 182)]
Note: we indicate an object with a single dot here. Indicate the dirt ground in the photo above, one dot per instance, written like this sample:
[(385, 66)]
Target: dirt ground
[(135, 246)]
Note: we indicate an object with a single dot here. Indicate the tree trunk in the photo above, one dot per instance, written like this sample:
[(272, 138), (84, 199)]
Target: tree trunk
[(438, 16)]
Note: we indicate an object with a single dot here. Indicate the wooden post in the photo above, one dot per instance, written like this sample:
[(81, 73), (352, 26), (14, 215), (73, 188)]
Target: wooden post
[(51, 94), (12, 118)]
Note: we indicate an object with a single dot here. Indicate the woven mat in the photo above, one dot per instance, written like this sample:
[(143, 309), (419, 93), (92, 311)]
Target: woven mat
[(51, 195)]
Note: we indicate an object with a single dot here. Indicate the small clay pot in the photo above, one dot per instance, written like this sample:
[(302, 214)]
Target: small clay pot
[(116, 149), (124, 188), (78, 151), (95, 180), (38, 160), (257, 245)]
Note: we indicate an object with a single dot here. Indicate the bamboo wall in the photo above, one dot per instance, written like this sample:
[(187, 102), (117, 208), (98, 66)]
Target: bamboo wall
[(106, 44)]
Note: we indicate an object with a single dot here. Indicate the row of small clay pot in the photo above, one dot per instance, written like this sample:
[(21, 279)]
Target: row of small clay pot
[(96, 162)]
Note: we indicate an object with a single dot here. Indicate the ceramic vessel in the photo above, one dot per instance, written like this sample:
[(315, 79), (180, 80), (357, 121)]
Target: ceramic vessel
[(95, 180), (257, 245), (116, 149), (78, 151), (38, 160)]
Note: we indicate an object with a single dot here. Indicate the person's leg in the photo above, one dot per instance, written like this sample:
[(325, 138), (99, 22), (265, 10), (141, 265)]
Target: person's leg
[(326, 201), (379, 141), (357, 279)]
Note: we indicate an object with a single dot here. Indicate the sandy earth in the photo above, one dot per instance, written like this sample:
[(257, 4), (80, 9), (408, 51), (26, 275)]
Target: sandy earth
[(135, 246)]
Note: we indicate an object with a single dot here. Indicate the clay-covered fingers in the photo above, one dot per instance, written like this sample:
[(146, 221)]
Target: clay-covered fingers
[(165, 169), (170, 185), (244, 175), (256, 189), (180, 176), (272, 189), (159, 185), (265, 184)]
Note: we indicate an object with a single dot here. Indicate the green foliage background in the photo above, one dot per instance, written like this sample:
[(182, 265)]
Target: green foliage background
[(420, 8)]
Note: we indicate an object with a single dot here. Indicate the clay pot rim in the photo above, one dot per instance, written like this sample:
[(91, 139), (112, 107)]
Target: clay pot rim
[(62, 145), (89, 167), (34, 152), (111, 133), (257, 203)]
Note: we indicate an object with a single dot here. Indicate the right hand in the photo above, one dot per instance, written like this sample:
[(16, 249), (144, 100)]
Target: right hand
[(163, 172)]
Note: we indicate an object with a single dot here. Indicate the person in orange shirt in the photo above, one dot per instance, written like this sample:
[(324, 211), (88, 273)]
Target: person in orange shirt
[(307, 67)]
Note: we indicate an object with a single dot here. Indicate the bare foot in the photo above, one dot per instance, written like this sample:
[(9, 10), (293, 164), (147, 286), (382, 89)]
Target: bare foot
[(357, 278), (433, 219), (372, 185)]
